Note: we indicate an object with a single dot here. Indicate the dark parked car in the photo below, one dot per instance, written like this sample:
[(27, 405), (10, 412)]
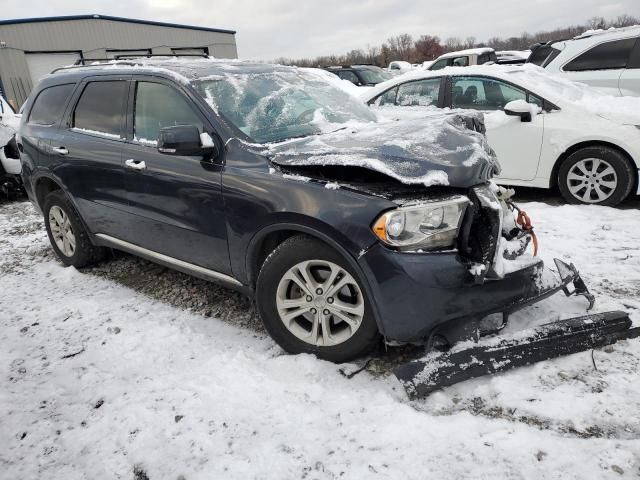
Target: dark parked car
[(360, 75), (343, 228)]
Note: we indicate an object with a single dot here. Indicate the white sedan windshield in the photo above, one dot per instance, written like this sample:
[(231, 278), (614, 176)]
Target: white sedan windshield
[(277, 105)]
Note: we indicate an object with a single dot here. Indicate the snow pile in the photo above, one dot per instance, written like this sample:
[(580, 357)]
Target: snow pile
[(98, 378)]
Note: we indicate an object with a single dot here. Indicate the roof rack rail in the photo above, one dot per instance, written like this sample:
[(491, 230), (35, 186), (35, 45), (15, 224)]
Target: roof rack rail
[(151, 55), (123, 60), (84, 61)]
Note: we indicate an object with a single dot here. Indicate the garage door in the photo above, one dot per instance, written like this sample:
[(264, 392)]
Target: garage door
[(41, 64)]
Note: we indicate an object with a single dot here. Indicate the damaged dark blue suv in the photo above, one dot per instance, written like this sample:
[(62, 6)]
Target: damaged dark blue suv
[(345, 226)]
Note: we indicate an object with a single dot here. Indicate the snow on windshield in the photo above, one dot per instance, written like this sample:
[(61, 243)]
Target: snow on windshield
[(277, 105)]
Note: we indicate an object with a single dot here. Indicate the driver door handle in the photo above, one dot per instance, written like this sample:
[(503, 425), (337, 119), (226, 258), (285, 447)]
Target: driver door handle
[(135, 164), (61, 150)]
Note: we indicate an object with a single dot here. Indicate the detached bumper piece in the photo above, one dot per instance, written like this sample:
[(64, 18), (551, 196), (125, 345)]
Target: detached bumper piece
[(424, 376)]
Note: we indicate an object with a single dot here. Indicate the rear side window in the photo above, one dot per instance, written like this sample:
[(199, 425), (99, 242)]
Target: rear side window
[(349, 75), (487, 57), (606, 56), (47, 108), (101, 108)]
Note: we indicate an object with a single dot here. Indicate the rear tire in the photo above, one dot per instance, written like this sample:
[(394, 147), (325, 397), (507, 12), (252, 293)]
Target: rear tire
[(325, 308), (67, 234), (596, 175)]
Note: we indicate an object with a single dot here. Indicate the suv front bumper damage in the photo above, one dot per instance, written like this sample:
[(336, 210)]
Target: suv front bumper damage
[(436, 370), (418, 295)]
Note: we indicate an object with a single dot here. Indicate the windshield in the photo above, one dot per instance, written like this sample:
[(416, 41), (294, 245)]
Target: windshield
[(373, 77), (277, 105)]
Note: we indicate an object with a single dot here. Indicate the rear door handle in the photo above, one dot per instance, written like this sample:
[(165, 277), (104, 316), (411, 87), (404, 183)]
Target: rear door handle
[(61, 150), (135, 164)]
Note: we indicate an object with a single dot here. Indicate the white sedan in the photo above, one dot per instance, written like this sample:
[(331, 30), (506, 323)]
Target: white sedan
[(9, 122), (546, 131)]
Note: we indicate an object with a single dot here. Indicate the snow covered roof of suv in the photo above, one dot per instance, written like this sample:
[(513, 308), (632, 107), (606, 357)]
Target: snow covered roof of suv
[(610, 31), (185, 69)]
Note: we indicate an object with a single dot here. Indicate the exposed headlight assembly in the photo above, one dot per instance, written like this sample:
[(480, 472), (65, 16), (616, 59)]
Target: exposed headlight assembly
[(427, 226)]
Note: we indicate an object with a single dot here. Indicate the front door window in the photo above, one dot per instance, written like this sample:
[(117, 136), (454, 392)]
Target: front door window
[(158, 106)]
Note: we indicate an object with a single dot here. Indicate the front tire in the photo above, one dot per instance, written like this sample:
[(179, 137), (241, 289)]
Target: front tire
[(595, 175), (67, 234), (312, 301)]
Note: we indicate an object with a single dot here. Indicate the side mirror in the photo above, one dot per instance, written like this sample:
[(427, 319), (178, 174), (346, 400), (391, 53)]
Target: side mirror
[(518, 108), (186, 140)]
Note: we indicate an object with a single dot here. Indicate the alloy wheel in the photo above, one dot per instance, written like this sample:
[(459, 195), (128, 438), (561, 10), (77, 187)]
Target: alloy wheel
[(592, 180), (320, 303), (62, 231)]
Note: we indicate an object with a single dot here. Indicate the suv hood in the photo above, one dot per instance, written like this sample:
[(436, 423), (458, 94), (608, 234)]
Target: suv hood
[(433, 148)]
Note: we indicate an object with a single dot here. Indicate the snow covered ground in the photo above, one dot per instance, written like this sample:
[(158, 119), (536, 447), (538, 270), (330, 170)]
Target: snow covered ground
[(128, 370)]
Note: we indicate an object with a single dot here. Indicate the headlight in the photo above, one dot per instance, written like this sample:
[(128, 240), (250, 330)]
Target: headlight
[(425, 226)]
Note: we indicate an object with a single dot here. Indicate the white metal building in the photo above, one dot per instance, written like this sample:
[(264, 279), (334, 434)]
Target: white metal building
[(32, 47)]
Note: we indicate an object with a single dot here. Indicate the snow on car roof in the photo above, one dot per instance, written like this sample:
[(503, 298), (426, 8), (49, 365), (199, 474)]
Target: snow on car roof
[(183, 68), (515, 54), (470, 51), (611, 31)]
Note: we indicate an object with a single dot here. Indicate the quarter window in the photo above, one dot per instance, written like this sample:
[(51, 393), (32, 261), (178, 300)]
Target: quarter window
[(387, 98), (606, 56), (100, 108), (483, 93), (535, 100), (158, 106), (420, 93), (47, 108)]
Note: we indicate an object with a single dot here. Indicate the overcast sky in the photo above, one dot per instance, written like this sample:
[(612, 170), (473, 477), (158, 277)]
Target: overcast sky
[(268, 29)]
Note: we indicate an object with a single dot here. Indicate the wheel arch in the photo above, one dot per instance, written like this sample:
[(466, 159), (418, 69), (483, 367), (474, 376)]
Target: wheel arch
[(553, 180), (268, 239), (42, 187)]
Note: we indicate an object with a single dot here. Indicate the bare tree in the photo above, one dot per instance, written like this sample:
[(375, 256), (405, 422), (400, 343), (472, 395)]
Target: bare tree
[(625, 21), (452, 44), (372, 55), (596, 23), (427, 47), (400, 46)]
